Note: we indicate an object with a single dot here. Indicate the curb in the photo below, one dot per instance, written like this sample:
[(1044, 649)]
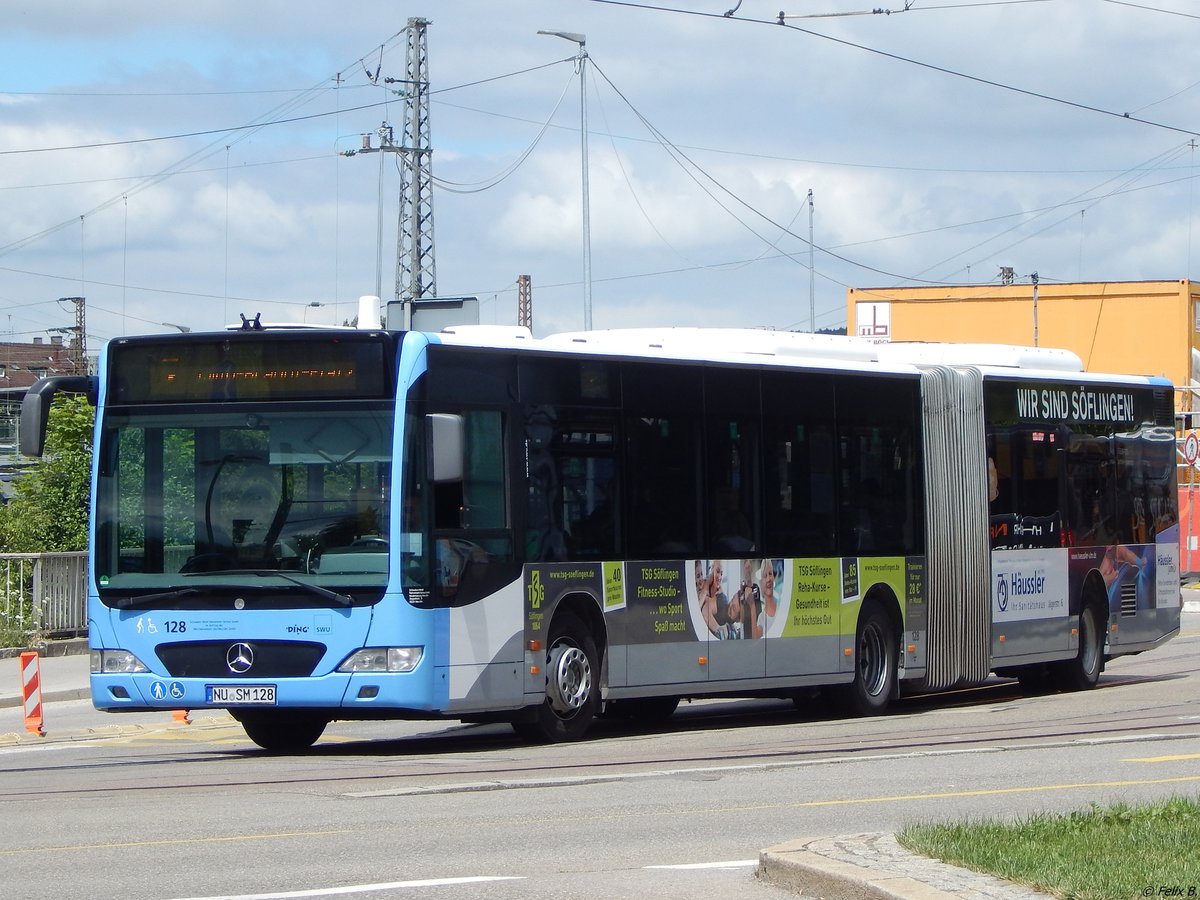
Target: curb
[(106, 732), (50, 649), (791, 865), (49, 697), (873, 866)]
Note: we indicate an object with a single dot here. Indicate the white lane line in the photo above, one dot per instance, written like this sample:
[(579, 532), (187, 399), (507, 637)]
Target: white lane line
[(732, 864), (361, 888)]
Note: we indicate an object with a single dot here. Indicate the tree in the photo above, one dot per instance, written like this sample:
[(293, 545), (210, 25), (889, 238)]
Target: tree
[(49, 508)]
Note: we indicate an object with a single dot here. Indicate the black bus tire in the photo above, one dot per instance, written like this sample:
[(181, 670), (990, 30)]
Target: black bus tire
[(282, 731), (572, 685), (1082, 672), (876, 646)]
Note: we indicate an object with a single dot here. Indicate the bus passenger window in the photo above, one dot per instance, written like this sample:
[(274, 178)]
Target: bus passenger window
[(732, 456), (879, 464), (473, 544), (664, 474), (574, 492)]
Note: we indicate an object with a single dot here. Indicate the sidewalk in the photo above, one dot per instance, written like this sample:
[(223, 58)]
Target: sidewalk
[(876, 867), (64, 675)]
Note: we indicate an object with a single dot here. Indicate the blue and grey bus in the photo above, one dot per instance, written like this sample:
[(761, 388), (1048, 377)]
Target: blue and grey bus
[(306, 525)]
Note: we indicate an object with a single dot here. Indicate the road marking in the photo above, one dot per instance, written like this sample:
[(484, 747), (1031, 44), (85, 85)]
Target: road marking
[(362, 888), (804, 804), (733, 864), (169, 842), (990, 792), (1154, 759), (510, 784)]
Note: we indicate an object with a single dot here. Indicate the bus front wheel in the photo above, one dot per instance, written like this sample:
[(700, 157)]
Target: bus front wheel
[(281, 731), (572, 685), (876, 645)]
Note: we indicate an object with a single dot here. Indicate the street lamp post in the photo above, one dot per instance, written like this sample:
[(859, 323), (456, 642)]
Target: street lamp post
[(581, 64)]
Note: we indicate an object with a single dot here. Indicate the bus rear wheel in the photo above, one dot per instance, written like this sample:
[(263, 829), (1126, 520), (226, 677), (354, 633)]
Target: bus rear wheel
[(572, 685), (281, 731), (876, 645), (1083, 671)]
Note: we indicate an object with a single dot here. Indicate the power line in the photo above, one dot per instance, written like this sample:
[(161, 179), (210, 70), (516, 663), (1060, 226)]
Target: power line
[(1169, 12), (677, 154), (1135, 172), (770, 157), (231, 129), (120, 94), (245, 165), (780, 23), (488, 183), (202, 153)]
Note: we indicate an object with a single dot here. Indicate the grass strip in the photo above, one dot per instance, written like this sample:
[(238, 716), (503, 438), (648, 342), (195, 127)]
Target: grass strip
[(1100, 853)]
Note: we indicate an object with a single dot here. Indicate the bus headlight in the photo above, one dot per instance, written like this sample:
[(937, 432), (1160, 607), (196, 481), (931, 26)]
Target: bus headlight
[(116, 662), (383, 659)]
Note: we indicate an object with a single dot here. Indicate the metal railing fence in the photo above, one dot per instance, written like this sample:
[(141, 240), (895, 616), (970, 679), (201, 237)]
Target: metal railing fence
[(42, 595)]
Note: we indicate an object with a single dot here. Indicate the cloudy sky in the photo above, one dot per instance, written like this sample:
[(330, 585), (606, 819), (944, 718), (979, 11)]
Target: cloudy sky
[(183, 163)]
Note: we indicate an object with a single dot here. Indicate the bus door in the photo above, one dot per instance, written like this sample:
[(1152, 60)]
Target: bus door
[(1029, 561)]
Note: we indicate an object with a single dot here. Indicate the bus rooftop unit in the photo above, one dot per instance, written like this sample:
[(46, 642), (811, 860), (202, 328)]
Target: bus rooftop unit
[(302, 526)]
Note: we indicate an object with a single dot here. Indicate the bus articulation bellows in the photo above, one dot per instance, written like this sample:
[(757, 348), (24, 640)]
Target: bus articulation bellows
[(303, 526)]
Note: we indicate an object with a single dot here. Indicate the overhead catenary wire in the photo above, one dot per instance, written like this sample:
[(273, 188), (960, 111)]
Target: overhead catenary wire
[(768, 245), (1134, 173), (498, 178), (779, 23), (275, 116), (692, 167), (209, 149), (1157, 9)]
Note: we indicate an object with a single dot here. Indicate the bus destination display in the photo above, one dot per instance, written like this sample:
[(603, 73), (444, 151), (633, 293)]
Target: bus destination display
[(224, 370)]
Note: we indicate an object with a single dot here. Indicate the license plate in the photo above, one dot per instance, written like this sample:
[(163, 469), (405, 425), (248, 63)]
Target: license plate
[(240, 694)]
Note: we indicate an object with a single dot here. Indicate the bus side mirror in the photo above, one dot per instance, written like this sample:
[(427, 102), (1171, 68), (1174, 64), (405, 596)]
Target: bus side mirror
[(445, 447), (35, 408)]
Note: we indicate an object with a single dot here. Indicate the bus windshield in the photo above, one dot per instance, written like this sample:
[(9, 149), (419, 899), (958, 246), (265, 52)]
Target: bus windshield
[(206, 496)]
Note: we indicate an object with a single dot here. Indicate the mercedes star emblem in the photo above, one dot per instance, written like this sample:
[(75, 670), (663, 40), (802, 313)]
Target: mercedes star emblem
[(239, 658)]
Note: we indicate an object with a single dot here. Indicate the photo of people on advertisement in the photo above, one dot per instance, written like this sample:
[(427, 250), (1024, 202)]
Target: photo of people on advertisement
[(738, 599)]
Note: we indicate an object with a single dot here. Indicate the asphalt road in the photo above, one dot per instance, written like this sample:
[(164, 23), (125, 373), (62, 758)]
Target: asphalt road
[(148, 808)]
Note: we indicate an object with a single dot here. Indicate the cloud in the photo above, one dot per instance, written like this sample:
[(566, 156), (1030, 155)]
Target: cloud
[(915, 171)]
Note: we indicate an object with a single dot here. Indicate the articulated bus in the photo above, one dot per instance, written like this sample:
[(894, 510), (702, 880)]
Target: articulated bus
[(302, 526)]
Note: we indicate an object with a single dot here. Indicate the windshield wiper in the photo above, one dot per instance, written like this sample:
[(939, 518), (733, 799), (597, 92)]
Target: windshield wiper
[(343, 599), (179, 593), (324, 593), (151, 599)]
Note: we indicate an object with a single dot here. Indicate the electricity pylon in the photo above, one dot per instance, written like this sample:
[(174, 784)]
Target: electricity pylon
[(416, 273)]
